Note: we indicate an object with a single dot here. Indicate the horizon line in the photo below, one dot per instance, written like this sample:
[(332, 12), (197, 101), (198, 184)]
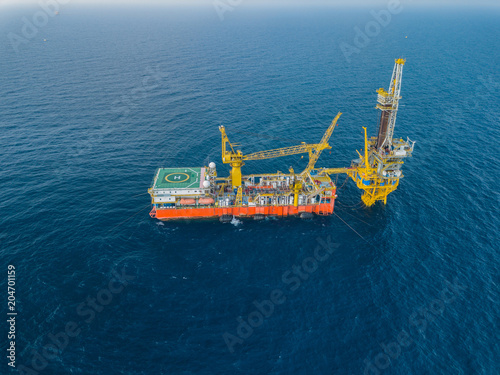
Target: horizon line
[(261, 3)]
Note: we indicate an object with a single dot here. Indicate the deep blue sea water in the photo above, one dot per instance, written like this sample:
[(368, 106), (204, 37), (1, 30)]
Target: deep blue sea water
[(100, 97)]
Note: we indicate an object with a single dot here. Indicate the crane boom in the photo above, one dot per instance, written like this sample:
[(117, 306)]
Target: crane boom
[(236, 158), (316, 153), (285, 151)]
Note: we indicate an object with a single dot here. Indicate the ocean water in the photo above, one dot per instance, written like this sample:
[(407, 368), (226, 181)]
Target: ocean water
[(100, 97)]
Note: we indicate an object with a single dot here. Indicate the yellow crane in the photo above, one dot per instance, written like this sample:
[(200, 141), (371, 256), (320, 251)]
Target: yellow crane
[(236, 159), (323, 144)]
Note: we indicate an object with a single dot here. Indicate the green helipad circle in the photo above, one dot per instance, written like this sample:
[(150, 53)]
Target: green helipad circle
[(177, 177)]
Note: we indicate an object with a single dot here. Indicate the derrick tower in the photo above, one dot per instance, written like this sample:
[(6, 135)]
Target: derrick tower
[(378, 170)]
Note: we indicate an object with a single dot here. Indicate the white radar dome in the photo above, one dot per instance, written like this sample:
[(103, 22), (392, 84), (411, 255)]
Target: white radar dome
[(206, 184), (212, 165)]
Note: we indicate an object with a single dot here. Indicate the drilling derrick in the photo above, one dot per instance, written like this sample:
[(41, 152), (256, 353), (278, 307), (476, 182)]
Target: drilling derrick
[(378, 170), (388, 103)]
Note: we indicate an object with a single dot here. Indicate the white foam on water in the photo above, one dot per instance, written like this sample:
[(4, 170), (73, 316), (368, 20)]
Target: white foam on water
[(236, 222)]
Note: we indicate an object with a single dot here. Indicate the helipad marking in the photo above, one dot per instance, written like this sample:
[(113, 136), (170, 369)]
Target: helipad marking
[(177, 177), (194, 182)]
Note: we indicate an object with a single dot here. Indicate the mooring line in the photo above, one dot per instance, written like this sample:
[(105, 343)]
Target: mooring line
[(353, 230), (142, 209), (138, 195), (357, 205), (344, 211)]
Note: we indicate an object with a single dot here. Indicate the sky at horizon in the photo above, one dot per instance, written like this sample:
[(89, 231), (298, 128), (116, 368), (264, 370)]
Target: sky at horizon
[(280, 3)]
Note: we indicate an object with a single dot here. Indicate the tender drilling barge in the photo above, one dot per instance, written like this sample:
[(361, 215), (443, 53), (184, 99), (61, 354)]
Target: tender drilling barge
[(195, 192)]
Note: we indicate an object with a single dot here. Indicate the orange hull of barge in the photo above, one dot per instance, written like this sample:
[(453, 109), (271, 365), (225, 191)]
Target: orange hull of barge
[(244, 211)]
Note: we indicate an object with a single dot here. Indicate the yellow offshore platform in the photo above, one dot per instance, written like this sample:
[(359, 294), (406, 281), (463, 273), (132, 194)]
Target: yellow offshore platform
[(378, 170), (198, 192)]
